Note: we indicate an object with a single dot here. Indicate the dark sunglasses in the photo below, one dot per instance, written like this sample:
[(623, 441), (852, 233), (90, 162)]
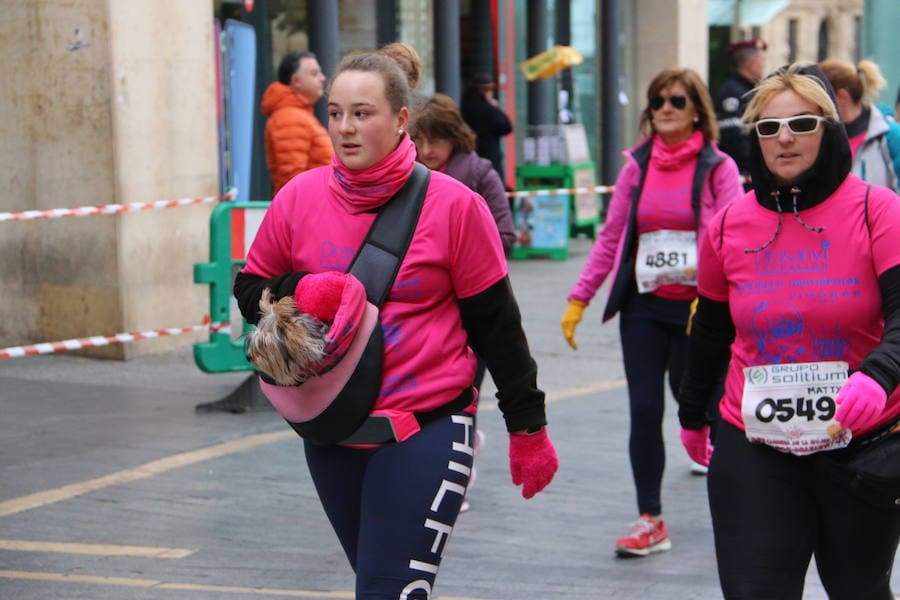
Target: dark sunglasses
[(678, 102), (801, 125)]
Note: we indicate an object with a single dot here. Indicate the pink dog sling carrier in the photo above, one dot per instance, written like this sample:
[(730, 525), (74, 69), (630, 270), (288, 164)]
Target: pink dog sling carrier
[(375, 265)]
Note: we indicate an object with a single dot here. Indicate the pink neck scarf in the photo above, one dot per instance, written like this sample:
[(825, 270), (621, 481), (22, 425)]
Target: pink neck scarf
[(365, 190), (671, 158)]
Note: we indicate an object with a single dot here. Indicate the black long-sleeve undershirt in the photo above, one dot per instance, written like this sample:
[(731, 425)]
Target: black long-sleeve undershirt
[(494, 325), (248, 290)]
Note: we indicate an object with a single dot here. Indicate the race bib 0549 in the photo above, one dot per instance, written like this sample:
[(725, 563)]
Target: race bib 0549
[(791, 407)]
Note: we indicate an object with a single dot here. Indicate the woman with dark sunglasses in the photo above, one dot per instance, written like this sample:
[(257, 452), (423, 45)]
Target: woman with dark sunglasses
[(672, 183), (799, 289)]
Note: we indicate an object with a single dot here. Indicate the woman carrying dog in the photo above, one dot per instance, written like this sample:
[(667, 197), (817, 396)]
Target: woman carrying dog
[(799, 283), (394, 504)]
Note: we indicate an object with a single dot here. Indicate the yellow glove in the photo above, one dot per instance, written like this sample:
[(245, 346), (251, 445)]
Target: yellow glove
[(693, 312), (571, 318)]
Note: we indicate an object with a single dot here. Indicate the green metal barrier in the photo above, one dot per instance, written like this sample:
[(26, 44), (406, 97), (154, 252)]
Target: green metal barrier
[(221, 353)]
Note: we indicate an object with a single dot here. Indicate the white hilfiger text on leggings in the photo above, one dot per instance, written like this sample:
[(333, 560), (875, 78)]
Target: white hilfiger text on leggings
[(442, 530)]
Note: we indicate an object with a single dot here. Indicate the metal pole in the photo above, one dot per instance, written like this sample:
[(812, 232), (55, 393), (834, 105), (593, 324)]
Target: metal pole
[(564, 38), (736, 21), (539, 91), (447, 78), (481, 20), (324, 41), (260, 178), (611, 81), (385, 22)]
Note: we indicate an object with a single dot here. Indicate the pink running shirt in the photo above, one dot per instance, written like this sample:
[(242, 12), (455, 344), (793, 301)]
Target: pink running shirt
[(455, 253), (809, 296)]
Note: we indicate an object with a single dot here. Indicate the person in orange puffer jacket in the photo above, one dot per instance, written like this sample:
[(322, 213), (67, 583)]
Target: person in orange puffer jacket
[(295, 140)]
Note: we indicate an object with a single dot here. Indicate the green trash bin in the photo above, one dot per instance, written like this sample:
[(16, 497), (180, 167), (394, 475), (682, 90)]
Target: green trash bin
[(547, 210)]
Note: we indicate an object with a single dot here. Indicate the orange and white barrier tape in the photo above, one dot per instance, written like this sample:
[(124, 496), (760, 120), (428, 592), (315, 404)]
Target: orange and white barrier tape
[(112, 209), (119, 338), (597, 189)]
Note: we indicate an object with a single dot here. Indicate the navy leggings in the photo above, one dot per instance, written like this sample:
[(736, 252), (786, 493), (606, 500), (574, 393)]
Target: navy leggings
[(772, 511), (393, 507), (650, 348)]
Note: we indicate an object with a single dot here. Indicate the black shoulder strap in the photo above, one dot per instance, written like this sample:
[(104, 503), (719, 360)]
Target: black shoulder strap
[(866, 208), (378, 260)]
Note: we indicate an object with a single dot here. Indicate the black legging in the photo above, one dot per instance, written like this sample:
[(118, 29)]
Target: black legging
[(650, 348), (394, 506), (772, 511)]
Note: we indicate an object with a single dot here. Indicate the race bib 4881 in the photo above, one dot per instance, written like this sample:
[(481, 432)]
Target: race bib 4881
[(666, 257)]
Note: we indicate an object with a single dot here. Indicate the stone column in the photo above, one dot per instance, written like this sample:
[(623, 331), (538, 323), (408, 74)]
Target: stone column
[(669, 33), (108, 102)]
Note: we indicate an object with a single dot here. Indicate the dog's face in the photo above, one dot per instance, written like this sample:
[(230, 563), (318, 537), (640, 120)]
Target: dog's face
[(286, 345)]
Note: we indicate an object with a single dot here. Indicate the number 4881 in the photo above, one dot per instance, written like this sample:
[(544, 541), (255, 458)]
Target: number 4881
[(663, 259)]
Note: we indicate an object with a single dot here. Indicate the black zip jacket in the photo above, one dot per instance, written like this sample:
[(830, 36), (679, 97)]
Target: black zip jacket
[(624, 282)]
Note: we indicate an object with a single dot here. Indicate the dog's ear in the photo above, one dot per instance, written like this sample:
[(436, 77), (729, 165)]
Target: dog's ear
[(266, 300), (285, 310)]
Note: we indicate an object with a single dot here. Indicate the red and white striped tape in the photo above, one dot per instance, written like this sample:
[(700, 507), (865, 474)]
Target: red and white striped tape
[(119, 338), (111, 209), (597, 189)]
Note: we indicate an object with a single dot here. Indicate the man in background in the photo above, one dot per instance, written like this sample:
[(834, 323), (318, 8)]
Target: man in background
[(749, 59), (295, 140)]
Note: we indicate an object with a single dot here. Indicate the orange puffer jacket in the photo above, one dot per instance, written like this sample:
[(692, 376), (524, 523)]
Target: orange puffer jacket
[(295, 140)]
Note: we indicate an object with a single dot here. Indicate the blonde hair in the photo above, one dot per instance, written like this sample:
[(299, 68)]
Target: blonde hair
[(408, 60), (863, 82), (396, 84), (791, 79), (696, 91)]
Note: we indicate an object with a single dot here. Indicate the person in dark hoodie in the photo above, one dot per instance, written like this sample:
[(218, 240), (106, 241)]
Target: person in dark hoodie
[(799, 281), (482, 112)]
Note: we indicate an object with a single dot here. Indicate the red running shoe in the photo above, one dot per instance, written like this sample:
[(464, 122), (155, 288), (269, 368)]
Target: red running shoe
[(646, 537)]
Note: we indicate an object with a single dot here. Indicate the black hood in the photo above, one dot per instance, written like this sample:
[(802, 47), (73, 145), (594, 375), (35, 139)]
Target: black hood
[(832, 165)]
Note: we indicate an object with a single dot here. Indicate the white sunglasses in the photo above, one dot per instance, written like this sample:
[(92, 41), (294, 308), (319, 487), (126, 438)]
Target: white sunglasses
[(800, 125)]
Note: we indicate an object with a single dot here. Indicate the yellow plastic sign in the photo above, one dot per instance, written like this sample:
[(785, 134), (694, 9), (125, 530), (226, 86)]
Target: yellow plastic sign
[(550, 62)]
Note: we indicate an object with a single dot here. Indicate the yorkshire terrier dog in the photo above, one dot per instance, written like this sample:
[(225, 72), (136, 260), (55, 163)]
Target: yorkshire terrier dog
[(287, 345)]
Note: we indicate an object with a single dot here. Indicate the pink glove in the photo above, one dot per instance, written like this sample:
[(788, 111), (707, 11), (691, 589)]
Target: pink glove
[(860, 402), (696, 442), (319, 294), (337, 299), (532, 461)]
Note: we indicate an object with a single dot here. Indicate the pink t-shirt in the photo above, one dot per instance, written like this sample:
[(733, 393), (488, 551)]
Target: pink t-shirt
[(666, 204), (809, 296), (455, 253)]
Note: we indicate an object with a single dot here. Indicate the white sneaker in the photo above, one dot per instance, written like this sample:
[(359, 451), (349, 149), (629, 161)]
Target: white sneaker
[(698, 469)]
